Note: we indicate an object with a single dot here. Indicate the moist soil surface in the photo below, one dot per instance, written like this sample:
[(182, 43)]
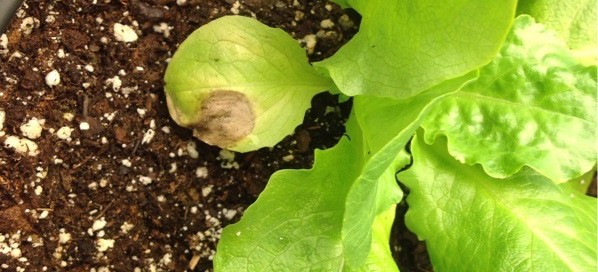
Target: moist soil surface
[(111, 183)]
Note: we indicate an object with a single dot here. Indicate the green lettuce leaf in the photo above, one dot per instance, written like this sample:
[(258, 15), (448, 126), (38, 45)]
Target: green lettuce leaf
[(297, 221), (405, 47), (473, 222), (240, 54), (373, 191), (573, 20), (338, 201), (380, 258), (533, 105)]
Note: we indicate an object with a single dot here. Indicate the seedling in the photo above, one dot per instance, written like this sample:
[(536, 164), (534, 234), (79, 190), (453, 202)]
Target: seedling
[(500, 110)]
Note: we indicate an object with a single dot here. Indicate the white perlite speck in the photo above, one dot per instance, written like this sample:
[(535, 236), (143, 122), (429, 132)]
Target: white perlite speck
[(235, 8), (53, 78), (228, 159), (227, 155), (145, 180), (310, 43), (173, 168), (115, 82), (68, 116), (148, 136), (99, 224), (33, 128), (44, 214), (64, 237), (15, 253), (164, 29), (50, 19), (28, 24), (84, 126), (3, 44), (23, 146), (192, 150), (288, 158), (201, 172), (326, 23), (124, 33), (205, 191), (4, 41), (89, 68), (141, 112), (229, 214), (126, 227), (38, 190), (166, 259), (126, 163), (104, 244), (64, 133)]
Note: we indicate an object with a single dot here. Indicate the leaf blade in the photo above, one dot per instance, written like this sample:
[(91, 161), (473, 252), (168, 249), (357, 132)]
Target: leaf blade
[(471, 220), (406, 47), (574, 21), (296, 204), (370, 193), (240, 54), (533, 105)]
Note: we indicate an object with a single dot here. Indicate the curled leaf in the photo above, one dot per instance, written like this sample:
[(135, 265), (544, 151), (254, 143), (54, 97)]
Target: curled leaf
[(240, 84)]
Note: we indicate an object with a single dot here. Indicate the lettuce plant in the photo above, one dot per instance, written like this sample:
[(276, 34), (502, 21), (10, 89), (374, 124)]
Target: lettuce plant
[(496, 100)]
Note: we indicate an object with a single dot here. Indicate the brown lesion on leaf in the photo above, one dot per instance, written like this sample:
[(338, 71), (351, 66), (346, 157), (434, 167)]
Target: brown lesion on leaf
[(226, 117)]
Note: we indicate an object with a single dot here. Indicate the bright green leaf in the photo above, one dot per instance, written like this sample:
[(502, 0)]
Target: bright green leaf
[(265, 65), (380, 258), (369, 196), (363, 186), (374, 190), (296, 222), (399, 118), (473, 222), (573, 20), (405, 47), (298, 203), (533, 105)]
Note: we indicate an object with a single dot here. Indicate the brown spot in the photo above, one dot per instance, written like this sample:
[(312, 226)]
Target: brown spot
[(226, 118)]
